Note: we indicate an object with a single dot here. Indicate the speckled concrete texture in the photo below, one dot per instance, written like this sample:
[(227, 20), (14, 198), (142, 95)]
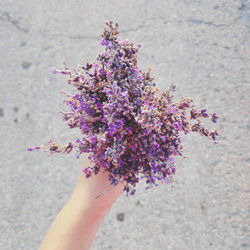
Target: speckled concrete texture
[(202, 46)]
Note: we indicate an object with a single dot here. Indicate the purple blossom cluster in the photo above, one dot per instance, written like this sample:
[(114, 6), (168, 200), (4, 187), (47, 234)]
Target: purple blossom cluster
[(130, 128)]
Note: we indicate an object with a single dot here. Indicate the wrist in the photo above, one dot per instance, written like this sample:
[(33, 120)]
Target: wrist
[(84, 198)]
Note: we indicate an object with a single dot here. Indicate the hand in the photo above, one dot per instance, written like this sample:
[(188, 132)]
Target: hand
[(96, 191)]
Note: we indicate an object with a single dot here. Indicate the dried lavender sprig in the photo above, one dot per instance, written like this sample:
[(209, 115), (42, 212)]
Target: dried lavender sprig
[(130, 128)]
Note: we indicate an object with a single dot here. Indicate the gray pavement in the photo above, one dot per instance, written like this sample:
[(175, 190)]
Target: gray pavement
[(202, 46)]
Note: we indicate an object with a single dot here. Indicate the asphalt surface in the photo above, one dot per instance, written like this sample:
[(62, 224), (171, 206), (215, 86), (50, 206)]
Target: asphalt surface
[(202, 46)]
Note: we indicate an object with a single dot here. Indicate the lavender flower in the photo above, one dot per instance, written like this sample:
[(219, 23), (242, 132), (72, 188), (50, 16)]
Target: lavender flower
[(130, 128)]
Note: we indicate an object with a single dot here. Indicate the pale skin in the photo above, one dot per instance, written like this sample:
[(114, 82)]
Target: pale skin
[(76, 224)]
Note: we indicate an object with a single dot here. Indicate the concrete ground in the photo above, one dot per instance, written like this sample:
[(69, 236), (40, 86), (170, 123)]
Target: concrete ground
[(202, 46)]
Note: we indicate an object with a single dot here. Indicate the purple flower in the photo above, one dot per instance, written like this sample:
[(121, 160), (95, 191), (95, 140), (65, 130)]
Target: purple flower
[(99, 104), (204, 113), (177, 126), (84, 127), (172, 110), (134, 69), (95, 66), (33, 148), (214, 118), (139, 77), (102, 72), (105, 42)]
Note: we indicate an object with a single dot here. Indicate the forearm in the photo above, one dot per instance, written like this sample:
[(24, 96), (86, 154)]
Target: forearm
[(75, 226)]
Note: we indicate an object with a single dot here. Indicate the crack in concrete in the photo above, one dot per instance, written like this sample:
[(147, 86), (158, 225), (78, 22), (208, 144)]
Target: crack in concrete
[(75, 37), (199, 21), (195, 21), (69, 36), (133, 29), (6, 16)]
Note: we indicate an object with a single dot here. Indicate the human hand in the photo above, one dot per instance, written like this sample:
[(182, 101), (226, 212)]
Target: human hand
[(96, 192)]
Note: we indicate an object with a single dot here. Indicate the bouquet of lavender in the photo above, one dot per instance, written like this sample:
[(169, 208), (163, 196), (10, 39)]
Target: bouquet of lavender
[(130, 128)]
